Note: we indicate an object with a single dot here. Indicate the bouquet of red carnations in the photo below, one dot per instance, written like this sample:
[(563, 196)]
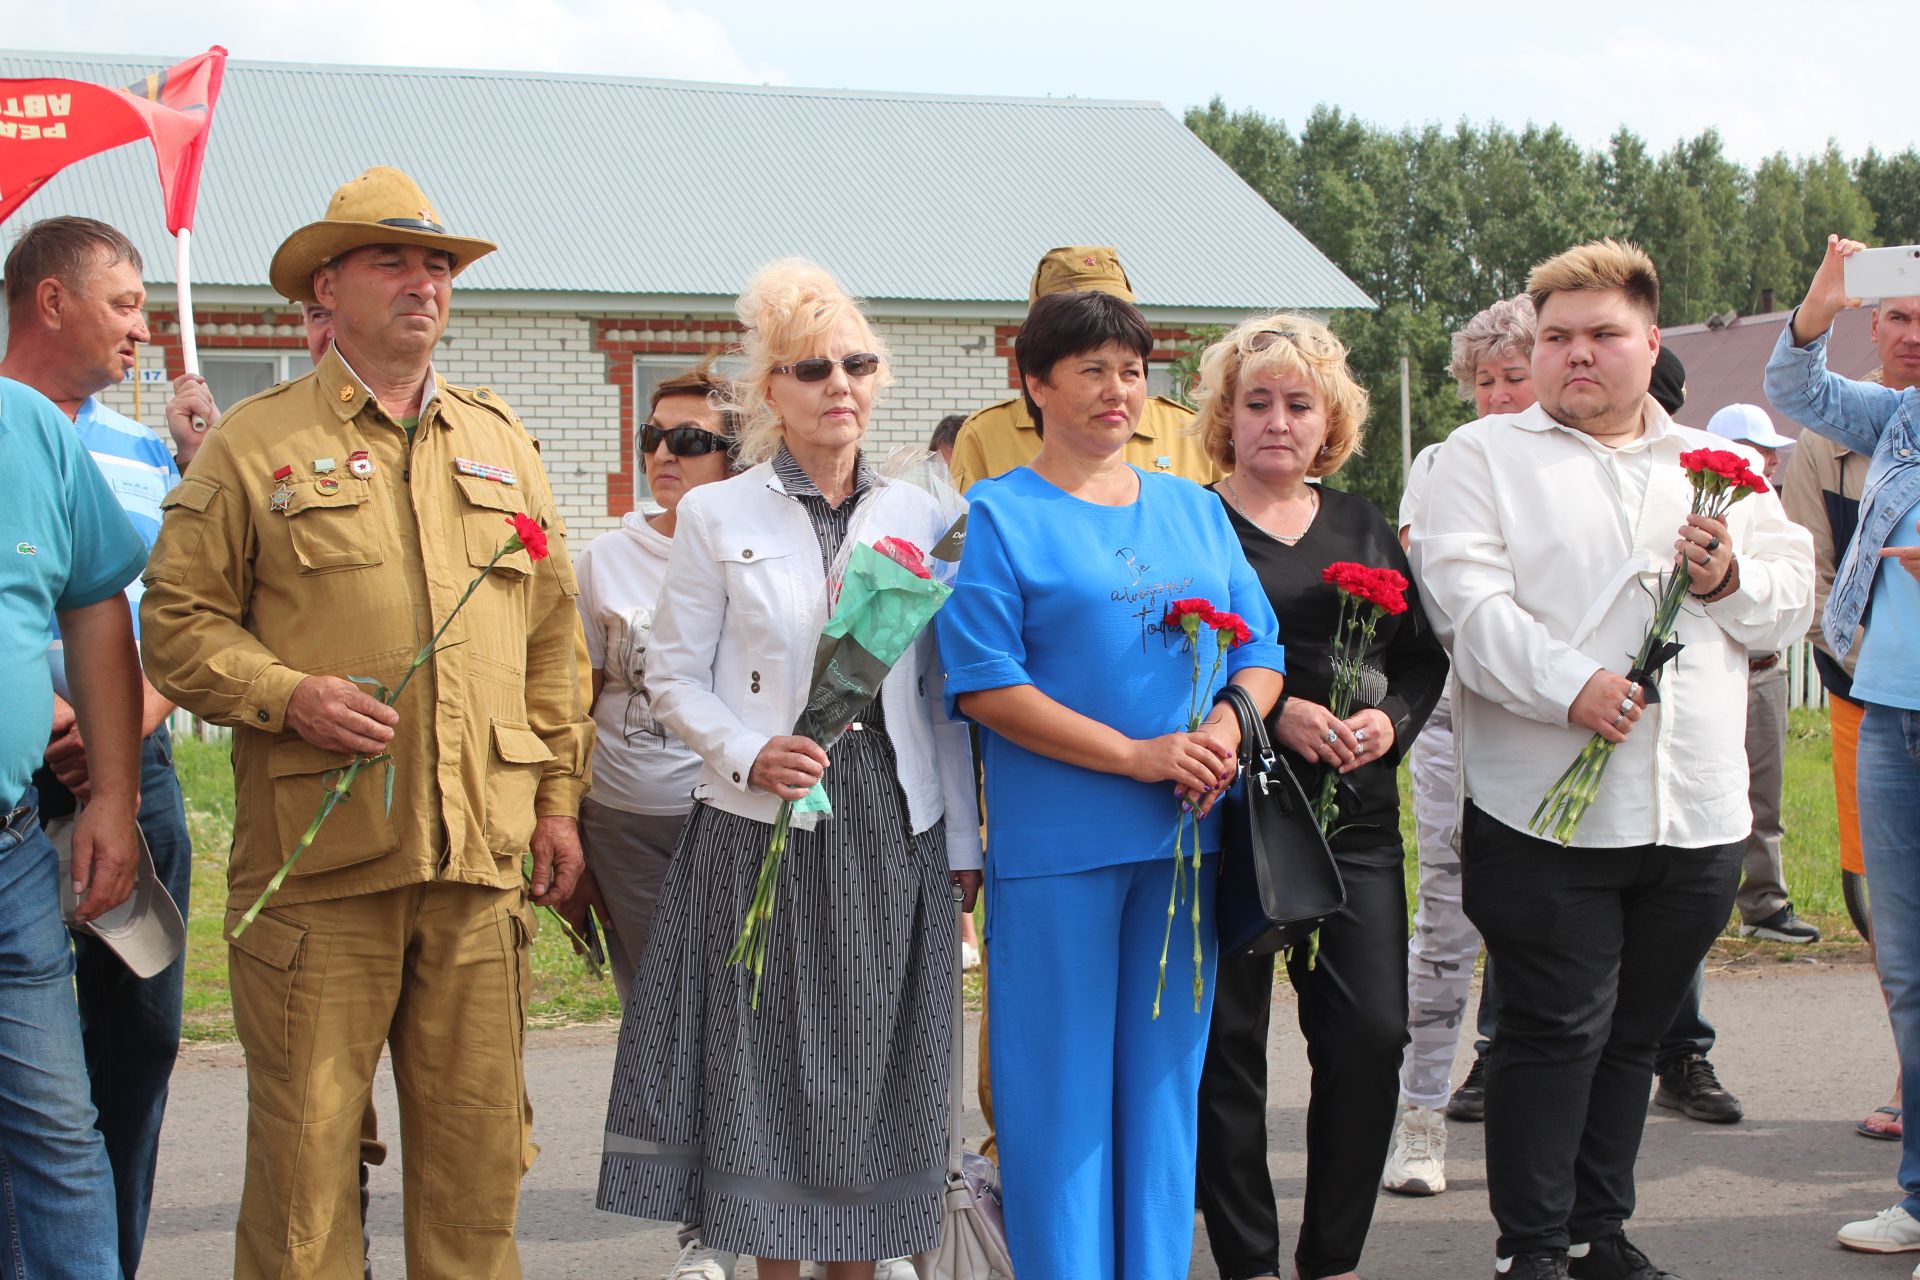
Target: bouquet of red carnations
[(1366, 596), (1719, 480), (1192, 616)]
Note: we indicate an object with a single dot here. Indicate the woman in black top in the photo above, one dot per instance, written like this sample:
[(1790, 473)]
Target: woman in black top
[(1278, 406)]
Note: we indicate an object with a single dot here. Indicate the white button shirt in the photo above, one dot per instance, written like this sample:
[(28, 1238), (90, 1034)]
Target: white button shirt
[(1539, 553)]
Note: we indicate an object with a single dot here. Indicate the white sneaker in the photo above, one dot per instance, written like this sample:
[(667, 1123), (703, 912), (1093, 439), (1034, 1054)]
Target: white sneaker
[(1888, 1231), (969, 961), (697, 1262), (885, 1269), (1418, 1164)]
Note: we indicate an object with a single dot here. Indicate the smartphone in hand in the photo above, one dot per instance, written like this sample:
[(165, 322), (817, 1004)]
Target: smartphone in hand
[(1892, 272)]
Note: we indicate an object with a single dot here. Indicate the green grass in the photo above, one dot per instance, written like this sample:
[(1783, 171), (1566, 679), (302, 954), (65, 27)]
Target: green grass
[(564, 992)]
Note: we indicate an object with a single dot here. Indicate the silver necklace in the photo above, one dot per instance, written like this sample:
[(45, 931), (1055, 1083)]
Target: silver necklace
[(1287, 539)]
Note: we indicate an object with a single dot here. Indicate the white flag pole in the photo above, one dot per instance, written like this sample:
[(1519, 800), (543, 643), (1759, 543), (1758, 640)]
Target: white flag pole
[(183, 288)]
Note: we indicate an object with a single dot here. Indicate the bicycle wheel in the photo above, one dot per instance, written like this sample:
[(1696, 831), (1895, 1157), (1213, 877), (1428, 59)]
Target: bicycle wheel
[(1853, 887)]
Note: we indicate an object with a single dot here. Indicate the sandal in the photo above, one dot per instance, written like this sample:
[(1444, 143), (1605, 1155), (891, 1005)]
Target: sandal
[(1888, 1131)]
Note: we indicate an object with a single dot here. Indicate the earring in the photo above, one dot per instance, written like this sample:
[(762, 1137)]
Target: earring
[(1229, 448)]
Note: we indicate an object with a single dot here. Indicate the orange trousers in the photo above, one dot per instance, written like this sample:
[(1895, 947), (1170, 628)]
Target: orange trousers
[(1843, 717)]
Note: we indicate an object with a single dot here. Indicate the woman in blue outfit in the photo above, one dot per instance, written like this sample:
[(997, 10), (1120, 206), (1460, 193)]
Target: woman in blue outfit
[(1054, 642), (1878, 584)]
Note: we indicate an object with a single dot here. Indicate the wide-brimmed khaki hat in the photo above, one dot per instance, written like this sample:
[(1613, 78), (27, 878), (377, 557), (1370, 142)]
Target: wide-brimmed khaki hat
[(1072, 268), (146, 930), (381, 206)]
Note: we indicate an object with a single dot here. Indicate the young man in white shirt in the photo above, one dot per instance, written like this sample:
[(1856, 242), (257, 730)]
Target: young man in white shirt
[(1540, 553)]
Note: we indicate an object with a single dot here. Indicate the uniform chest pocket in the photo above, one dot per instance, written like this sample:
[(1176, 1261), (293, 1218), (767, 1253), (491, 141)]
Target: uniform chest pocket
[(486, 511), (333, 531)]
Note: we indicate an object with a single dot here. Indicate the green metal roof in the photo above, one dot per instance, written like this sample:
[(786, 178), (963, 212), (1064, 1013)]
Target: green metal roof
[(583, 182)]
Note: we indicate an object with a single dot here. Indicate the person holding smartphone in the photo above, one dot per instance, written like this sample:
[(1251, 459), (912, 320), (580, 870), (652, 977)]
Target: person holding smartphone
[(1877, 588)]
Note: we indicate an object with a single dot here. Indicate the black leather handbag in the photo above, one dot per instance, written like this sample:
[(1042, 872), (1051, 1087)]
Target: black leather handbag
[(1278, 879)]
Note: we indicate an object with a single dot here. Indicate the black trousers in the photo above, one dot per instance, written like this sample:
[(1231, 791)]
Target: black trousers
[(1353, 1013), (1596, 948)]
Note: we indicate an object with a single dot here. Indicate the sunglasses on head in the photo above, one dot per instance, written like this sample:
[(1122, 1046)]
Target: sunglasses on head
[(817, 369), (682, 442), (1311, 343)]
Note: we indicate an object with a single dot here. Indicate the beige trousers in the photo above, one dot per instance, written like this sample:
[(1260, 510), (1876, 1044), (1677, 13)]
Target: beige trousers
[(441, 973)]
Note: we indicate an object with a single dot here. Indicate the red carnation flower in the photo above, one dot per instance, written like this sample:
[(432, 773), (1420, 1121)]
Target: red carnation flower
[(904, 554), (1748, 480), (532, 538), (1386, 588), (1189, 615), (1231, 629)]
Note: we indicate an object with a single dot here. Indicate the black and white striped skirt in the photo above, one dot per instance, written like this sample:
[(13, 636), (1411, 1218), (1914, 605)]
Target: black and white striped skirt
[(815, 1126)]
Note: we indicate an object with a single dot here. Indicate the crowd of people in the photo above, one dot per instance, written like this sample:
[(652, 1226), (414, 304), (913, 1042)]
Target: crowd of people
[(365, 567)]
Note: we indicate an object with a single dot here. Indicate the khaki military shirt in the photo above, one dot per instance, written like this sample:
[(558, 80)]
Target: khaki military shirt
[(344, 564), (1001, 436)]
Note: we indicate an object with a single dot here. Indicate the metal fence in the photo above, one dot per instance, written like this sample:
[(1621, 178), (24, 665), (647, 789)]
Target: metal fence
[(1803, 681)]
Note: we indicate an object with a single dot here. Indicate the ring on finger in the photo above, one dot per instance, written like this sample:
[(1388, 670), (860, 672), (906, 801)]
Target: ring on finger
[(1713, 544), (1626, 705), (1360, 735), (1332, 737), (1619, 720)]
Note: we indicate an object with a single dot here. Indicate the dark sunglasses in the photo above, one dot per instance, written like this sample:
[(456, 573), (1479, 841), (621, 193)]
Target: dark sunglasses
[(682, 442), (861, 365)]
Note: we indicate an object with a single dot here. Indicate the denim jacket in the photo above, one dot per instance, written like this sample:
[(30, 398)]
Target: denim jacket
[(1880, 423)]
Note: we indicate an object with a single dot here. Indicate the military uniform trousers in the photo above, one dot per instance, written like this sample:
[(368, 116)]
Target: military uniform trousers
[(441, 973)]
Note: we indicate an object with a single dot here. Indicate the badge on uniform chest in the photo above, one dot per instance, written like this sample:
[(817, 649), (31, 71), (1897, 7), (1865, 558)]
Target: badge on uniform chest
[(484, 471), (360, 464), (282, 490)]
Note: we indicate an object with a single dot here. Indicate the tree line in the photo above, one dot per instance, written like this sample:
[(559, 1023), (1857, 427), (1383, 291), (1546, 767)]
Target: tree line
[(1437, 223)]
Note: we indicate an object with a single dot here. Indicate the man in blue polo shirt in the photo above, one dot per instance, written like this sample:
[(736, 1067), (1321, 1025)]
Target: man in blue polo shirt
[(66, 550), (76, 314)]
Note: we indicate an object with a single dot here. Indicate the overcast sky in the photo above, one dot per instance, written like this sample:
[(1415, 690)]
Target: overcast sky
[(1765, 73)]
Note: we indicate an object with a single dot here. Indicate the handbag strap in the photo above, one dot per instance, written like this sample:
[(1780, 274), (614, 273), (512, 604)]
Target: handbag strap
[(957, 1064), (1255, 747)]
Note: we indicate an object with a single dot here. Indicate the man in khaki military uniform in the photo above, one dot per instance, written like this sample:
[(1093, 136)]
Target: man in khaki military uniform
[(328, 527), (1001, 436)]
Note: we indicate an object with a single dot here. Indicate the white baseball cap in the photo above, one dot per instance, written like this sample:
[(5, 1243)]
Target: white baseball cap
[(1749, 424), (146, 930)]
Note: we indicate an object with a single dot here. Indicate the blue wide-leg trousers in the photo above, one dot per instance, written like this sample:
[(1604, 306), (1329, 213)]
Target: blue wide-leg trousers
[(1096, 1100)]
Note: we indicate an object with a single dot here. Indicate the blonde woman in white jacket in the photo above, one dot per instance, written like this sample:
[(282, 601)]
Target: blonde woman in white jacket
[(813, 1126)]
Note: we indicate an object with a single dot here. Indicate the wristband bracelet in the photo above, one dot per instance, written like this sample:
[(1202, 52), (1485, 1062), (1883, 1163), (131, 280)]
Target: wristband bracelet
[(1720, 589)]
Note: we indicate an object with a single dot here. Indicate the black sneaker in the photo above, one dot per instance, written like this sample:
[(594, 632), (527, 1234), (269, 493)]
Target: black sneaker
[(1532, 1266), (1782, 926), (1615, 1258), (1690, 1087), (1469, 1101)]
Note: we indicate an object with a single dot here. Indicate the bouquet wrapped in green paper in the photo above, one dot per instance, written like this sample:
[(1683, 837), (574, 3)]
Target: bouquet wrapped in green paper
[(887, 596)]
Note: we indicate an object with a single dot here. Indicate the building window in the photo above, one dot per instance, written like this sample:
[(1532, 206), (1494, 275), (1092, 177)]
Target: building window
[(1160, 377), (649, 372), (232, 376)]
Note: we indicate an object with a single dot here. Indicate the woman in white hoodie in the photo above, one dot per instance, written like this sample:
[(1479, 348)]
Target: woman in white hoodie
[(643, 775)]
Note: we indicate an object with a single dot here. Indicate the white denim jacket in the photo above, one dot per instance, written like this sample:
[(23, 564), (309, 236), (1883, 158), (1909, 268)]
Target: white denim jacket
[(1536, 575), (733, 644)]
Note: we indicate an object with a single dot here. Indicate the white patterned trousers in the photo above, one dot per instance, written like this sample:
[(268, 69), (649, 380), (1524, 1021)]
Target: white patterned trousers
[(1441, 953)]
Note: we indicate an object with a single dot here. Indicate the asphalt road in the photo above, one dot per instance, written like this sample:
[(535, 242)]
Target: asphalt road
[(1805, 1046)]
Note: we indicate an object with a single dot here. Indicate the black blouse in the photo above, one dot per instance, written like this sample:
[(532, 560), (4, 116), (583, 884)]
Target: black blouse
[(1348, 527)]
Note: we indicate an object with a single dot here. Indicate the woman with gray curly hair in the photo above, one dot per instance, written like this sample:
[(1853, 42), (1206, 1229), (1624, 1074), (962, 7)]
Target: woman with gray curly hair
[(1493, 368)]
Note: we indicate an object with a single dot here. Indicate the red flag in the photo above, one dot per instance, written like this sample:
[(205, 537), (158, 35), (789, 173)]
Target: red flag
[(46, 125)]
